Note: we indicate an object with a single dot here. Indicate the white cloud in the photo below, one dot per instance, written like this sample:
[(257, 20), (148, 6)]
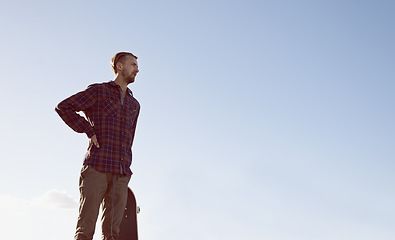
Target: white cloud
[(55, 199), (50, 216)]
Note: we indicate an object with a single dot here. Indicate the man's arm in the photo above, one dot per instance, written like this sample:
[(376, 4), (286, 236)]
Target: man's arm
[(68, 108)]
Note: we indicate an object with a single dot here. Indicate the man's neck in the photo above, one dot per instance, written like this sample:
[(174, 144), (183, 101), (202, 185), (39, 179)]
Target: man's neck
[(121, 82)]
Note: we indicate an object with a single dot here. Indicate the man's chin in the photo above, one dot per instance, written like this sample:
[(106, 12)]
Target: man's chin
[(131, 80)]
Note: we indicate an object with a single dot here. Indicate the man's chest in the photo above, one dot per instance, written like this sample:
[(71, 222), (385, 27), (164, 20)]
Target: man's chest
[(111, 104)]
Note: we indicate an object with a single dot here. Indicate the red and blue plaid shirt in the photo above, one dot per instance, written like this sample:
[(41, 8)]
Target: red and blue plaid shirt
[(112, 120)]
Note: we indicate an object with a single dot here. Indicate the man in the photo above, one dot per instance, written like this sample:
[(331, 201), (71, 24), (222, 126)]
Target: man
[(111, 115)]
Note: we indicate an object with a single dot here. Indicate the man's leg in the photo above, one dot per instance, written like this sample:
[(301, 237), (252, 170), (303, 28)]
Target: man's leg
[(116, 196), (93, 186)]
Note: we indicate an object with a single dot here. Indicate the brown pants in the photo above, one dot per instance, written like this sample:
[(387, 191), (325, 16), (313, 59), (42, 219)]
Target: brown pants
[(101, 188)]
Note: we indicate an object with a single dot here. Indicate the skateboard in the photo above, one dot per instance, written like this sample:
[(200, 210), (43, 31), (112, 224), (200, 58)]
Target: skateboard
[(128, 227)]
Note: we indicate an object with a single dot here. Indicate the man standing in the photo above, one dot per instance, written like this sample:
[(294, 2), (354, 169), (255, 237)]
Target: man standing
[(111, 115)]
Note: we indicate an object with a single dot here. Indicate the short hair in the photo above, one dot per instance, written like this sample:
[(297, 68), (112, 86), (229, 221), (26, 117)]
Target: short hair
[(119, 57)]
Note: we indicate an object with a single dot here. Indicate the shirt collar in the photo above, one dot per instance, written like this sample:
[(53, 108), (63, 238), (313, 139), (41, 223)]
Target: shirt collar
[(112, 83)]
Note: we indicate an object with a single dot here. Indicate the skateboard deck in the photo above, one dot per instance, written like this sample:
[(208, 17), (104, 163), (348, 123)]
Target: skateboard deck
[(128, 227)]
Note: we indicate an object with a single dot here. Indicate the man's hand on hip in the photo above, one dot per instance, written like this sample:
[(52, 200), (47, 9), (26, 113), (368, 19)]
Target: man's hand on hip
[(93, 141)]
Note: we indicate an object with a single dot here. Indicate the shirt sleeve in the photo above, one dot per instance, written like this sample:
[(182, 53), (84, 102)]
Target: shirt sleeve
[(82, 101)]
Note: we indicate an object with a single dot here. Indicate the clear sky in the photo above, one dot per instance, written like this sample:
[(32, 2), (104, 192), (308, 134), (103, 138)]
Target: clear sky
[(259, 119)]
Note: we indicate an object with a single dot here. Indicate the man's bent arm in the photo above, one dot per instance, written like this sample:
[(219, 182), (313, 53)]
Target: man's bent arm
[(68, 108)]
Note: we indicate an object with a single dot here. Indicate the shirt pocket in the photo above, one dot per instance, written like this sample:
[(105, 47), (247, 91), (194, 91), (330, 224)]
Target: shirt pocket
[(110, 107)]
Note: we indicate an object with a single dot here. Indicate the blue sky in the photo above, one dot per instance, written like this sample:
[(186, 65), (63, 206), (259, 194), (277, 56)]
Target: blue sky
[(259, 119)]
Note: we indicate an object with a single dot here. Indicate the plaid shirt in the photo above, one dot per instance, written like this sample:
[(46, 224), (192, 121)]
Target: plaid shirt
[(113, 122)]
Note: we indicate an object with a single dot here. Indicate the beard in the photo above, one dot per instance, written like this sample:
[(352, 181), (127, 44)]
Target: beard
[(129, 78)]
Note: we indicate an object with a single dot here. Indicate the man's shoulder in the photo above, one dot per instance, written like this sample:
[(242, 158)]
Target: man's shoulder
[(135, 102), (98, 85)]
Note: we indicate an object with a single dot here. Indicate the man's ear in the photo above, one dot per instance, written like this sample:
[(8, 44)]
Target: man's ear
[(119, 66)]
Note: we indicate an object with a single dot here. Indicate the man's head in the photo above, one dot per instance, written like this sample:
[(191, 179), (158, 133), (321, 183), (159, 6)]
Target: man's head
[(125, 65)]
